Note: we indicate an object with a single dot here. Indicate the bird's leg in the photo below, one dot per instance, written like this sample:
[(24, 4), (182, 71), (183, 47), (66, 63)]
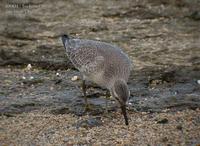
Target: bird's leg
[(85, 96), (107, 96)]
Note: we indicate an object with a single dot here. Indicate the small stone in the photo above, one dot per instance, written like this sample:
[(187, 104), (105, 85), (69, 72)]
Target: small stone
[(198, 82), (31, 77), (23, 77), (74, 78), (130, 103), (90, 122), (66, 139), (57, 74), (97, 38), (195, 15), (165, 110), (163, 121), (29, 66), (165, 139), (179, 127)]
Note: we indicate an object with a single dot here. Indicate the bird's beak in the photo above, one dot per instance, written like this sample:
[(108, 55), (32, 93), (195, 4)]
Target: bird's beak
[(123, 107)]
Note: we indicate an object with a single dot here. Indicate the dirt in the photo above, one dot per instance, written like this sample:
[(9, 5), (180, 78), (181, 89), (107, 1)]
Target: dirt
[(181, 128), (43, 106)]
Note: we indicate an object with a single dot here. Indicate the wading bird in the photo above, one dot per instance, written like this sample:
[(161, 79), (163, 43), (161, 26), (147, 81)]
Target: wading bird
[(102, 63)]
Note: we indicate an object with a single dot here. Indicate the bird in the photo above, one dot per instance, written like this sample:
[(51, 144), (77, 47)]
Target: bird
[(102, 63)]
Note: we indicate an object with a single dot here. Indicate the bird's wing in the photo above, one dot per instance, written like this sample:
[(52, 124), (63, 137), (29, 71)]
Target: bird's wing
[(86, 58)]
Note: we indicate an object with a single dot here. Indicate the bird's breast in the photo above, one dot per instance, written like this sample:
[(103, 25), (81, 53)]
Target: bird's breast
[(98, 78)]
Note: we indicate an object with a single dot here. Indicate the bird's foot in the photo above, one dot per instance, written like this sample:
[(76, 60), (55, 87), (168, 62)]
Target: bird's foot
[(88, 108), (106, 109)]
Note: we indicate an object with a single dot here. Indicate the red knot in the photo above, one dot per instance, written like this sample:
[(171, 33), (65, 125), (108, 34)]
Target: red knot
[(102, 63)]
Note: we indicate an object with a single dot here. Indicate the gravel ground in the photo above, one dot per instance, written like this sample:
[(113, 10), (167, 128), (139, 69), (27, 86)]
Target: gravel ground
[(166, 128)]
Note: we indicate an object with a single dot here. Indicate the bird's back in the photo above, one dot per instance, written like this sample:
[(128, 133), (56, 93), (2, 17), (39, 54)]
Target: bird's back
[(98, 61)]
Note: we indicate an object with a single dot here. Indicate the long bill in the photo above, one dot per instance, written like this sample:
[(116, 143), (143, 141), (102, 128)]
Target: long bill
[(125, 114)]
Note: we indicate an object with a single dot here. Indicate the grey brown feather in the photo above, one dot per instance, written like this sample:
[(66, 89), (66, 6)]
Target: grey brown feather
[(100, 62)]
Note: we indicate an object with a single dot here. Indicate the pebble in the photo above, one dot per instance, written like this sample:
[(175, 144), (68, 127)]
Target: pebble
[(97, 38), (163, 121), (129, 103), (29, 66), (198, 82), (31, 77), (74, 78), (57, 74), (89, 123)]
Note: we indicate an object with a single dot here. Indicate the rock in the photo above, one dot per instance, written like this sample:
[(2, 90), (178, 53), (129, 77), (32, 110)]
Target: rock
[(60, 111), (195, 15), (179, 127), (74, 78), (57, 74), (31, 77), (28, 68), (23, 77), (89, 123), (163, 121)]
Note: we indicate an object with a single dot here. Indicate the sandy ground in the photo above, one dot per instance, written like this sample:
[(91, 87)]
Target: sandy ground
[(167, 128)]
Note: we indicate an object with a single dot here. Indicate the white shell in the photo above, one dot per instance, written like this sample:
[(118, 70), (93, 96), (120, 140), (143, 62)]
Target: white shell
[(74, 78)]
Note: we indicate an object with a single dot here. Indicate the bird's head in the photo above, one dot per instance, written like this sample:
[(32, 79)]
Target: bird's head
[(121, 93)]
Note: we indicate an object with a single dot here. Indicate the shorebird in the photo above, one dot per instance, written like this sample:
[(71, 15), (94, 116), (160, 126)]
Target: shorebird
[(102, 63)]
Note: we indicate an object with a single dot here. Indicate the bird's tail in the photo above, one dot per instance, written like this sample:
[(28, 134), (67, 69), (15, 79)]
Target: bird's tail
[(65, 40), (68, 43)]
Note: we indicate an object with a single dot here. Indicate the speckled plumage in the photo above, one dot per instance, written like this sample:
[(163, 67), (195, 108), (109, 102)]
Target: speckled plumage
[(103, 63), (99, 62)]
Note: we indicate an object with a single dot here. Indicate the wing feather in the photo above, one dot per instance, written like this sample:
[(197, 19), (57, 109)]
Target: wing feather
[(86, 59)]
